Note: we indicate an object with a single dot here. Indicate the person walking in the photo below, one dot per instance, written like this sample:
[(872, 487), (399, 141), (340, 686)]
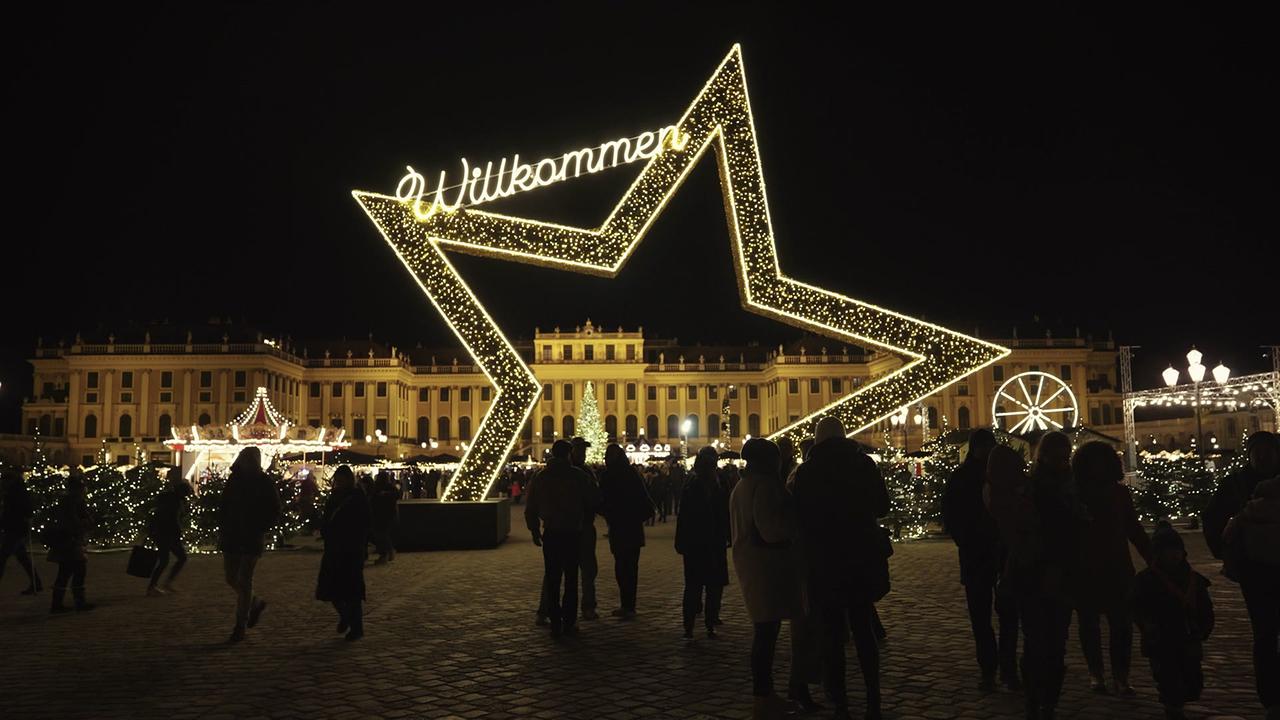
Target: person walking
[(702, 537), (839, 497), (250, 506), (674, 474), (560, 499), (587, 563), (1174, 613), (385, 504), (1106, 578), (1246, 561), (974, 532), (165, 529), (626, 506), (68, 541), (15, 529), (345, 529), (763, 525)]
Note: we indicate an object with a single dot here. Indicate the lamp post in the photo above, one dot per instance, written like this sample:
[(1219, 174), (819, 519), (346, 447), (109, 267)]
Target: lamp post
[(684, 437), (1196, 371), (900, 420)]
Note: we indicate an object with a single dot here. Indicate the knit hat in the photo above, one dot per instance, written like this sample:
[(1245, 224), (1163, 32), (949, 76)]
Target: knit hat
[(1165, 537), (828, 427)]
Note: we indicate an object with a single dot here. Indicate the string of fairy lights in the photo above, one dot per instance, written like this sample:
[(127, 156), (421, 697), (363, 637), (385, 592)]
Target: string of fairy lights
[(718, 119)]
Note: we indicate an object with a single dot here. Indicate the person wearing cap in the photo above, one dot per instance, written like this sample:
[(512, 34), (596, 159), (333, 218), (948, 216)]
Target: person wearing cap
[(68, 540), (839, 497), (1174, 613), (559, 501)]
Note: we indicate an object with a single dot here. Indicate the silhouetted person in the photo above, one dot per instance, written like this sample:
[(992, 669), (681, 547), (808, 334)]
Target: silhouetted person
[(165, 528), (1246, 562), (763, 522), (15, 526), (385, 504), (560, 500), (702, 536), (345, 528), (1174, 613), (839, 497), (975, 534), (1106, 577), (788, 464), (675, 476), (68, 541), (626, 506), (587, 563), (250, 506)]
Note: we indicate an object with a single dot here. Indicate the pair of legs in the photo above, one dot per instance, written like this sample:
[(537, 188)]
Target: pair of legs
[(386, 548), (695, 587), (16, 545), (806, 656), (858, 615), (1120, 629), (1178, 674), (71, 572), (1045, 623), (764, 642), (626, 569), (982, 595), (239, 568), (560, 555), (1262, 600), (180, 559)]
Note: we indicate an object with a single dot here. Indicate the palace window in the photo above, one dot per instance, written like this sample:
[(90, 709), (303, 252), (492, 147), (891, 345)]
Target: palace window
[(424, 394), (673, 426), (651, 427), (382, 389), (651, 392), (1065, 372), (546, 353), (588, 352), (464, 428), (753, 425), (567, 392), (358, 426), (610, 352), (631, 352), (166, 379), (793, 386), (837, 387), (548, 428), (568, 352), (633, 427), (240, 378), (165, 426), (546, 391), (566, 426), (610, 391), (997, 373), (91, 426), (359, 389), (206, 396), (611, 427), (313, 422), (631, 391), (315, 393), (206, 378), (424, 428), (671, 392), (962, 417), (484, 394), (443, 431), (693, 392), (465, 397), (126, 379), (713, 392), (814, 386), (204, 419), (91, 380), (336, 390), (753, 392), (444, 394)]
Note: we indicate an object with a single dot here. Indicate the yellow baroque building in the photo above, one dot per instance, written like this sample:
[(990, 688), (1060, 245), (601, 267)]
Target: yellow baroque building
[(116, 398)]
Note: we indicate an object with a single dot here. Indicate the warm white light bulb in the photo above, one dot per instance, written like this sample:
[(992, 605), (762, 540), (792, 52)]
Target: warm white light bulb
[(1170, 376), (1221, 374)]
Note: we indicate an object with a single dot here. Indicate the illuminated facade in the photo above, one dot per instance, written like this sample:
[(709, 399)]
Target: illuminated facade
[(114, 398)]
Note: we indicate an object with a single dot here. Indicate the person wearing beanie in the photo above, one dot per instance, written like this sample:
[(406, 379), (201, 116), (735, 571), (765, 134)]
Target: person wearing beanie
[(839, 496), (1174, 613)]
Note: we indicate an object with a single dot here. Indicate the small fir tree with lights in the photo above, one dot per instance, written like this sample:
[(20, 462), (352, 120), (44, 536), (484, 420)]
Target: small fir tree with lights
[(590, 427)]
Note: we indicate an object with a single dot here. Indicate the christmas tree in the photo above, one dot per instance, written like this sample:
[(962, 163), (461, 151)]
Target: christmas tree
[(590, 426)]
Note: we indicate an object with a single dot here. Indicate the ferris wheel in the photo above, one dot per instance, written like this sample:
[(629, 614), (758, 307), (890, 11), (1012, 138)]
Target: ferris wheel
[(1035, 401)]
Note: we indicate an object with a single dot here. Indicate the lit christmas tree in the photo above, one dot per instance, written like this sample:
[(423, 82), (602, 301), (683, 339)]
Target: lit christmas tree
[(590, 426)]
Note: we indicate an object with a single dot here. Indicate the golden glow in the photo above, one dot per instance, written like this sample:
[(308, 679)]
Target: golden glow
[(718, 118)]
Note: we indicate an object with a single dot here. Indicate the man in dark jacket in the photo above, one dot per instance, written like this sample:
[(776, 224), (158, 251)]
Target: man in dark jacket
[(250, 507), (974, 531), (1259, 583), (165, 529), (587, 563), (385, 504), (560, 500), (15, 527), (839, 496)]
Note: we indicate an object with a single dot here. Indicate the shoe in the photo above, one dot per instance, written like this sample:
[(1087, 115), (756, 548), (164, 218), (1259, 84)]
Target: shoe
[(1124, 689), (804, 701), (688, 635), (618, 613), (168, 587), (719, 622), (570, 629), (154, 591), (542, 621), (29, 591), (355, 634), (237, 634), (59, 609), (987, 684), (711, 633), (1011, 681), (342, 626), (85, 607), (255, 613), (1097, 684), (590, 615)]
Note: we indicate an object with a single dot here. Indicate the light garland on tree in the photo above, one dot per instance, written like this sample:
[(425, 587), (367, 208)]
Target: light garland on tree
[(719, 118), (590, 427)]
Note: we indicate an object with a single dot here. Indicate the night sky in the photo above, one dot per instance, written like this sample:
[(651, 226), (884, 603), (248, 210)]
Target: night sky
[(1048, 168)]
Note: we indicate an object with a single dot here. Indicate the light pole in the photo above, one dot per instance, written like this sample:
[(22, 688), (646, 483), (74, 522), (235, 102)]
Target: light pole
[(900, 420), (1195, 371), (684, 437)]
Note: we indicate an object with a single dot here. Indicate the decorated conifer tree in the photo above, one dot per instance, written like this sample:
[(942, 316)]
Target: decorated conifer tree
[(590, 426)]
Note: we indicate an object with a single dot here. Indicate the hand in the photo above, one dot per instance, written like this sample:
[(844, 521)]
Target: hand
[(537, 539)]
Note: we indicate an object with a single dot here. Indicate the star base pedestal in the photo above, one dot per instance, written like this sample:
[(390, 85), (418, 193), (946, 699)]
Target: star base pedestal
[(435, 525)]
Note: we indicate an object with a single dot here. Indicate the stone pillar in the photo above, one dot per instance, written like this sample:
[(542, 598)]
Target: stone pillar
[(74, 422), (144, 404), (108, 424), (224, 379), (184, 411), (348, 402)]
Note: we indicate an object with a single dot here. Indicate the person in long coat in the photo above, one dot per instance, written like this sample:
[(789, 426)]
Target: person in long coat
[(1106, 580), (763, 523), (345, 528), (385, 504), (165, 529), (68, 544), (702, 537), (249, 507), (840, 496), (626, 507)]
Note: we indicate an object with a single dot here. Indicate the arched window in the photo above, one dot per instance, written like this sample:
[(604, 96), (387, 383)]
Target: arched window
[(59, 427), (126, 425), (443, 429), (753, 425), (566, 427), (962, 417), (464, 428), (673, 427), (735, 425), (651, 427), (548, 429), (713, 425), (527, 432), (165, 426), (611, 427), (933, 418), (693, 425), (91, 426), (46, 424), (424, 429), (1106, 414), (203, 419), (633, 428), (1000, 418)]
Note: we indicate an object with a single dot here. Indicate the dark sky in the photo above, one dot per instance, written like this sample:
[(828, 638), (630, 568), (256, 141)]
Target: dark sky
[(1046, 167)]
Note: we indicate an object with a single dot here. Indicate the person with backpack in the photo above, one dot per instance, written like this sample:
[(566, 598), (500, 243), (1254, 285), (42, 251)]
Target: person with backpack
[(15, 526), (68, 539), (250, 506), (165, 530)]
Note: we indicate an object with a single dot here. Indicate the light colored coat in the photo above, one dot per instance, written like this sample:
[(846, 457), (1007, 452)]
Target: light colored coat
[(765, 551)]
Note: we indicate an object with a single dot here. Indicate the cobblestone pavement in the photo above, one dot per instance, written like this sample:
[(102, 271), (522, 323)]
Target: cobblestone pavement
[(450, 635)]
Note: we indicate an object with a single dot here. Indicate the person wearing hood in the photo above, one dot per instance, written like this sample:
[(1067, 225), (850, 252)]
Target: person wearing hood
[(840, 496), (702, 536), (1174, 613), (1252, 540), (68, 544), (560, 500), (165, 529), (345, 529), (626, 507), (249, 507)]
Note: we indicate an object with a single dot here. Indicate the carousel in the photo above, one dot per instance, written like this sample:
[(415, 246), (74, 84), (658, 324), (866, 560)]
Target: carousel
[(203, 450)]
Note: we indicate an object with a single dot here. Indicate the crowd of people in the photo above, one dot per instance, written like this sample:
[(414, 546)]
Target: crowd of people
[(1037, 545)]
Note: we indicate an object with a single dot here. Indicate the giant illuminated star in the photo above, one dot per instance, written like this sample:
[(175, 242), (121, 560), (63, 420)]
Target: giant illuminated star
[(720, 118)]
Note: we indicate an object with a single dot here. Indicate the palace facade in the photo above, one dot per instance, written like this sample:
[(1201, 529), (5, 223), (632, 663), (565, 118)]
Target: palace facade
[(116, 398)]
